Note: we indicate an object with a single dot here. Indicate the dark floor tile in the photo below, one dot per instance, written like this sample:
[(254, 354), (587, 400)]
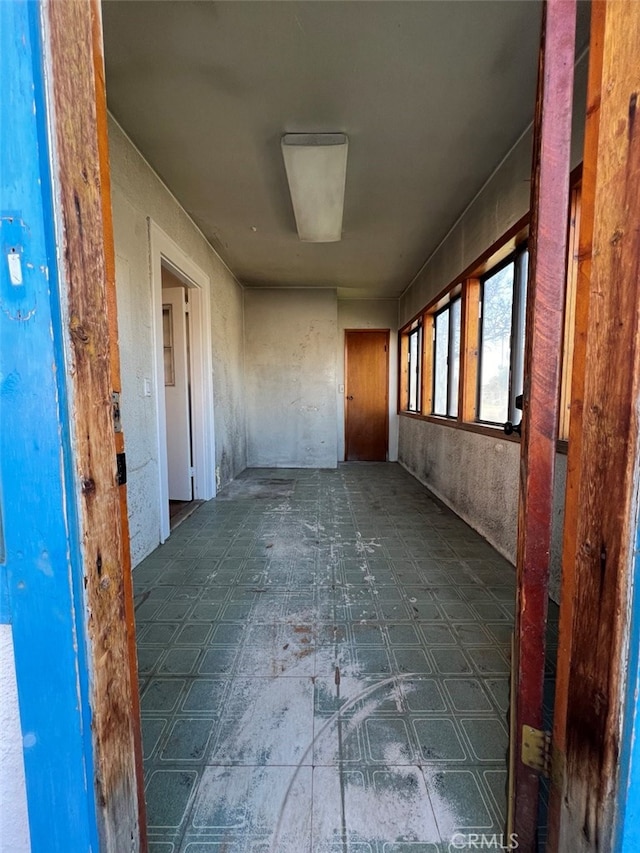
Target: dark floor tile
[(162, 695), (187, 739), (168, 793), (362, 635)]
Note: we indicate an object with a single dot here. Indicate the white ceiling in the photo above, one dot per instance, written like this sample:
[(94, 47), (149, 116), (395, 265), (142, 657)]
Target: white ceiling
[(431, 94)]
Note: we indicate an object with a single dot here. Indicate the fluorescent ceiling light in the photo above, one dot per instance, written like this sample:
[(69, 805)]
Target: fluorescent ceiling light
[(316, 165)]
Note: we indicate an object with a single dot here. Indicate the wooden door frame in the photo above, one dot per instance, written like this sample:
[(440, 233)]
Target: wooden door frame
[(166, 253), (599, 599), (94, 470), (545, 312), (386, 404)]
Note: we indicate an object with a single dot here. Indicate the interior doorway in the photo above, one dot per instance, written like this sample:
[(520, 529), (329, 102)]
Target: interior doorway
[(367, 395), (182, 324), (176, 345)]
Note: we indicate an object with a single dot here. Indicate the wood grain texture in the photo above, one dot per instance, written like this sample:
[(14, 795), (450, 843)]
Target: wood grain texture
[(367, 414), (426, 398), (604, 470), (574, 453), (469, 350), (403, 370), (84, 274), (116, 385), (545, 304)]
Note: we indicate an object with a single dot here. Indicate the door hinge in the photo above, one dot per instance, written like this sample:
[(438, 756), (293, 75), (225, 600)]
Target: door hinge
[(115, 404), (536, 750), (121, 467)]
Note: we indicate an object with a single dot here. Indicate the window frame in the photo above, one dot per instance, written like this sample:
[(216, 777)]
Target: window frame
[(468, 285), (516, 332), (415, 332), (457, 299), (411, 330)]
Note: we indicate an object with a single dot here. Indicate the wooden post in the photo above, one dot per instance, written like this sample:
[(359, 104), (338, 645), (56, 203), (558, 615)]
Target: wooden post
[(84, 236), (116, 385), (545, 304), (603, 463)]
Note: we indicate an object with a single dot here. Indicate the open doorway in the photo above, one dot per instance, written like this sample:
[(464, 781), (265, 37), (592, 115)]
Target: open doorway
[(186, 448), (176, 345)]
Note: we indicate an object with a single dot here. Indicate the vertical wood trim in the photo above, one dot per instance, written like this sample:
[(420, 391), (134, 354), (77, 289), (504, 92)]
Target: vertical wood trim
[(570, 315), (426, 376), (545, 305), (116, 385), (571, 508), (469, 350), (403, 378), (604, 464), (77, 176)]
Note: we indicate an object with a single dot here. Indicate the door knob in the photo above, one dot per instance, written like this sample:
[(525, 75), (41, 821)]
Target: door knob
[(350, 397)]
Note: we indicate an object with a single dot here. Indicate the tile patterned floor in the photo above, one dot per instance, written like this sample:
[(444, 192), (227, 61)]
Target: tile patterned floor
[(323, 668)]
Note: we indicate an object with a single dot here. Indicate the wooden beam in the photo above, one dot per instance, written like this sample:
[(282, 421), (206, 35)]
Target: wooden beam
[(570, 314), (549, 205), (468, 389), (78, 174), (574, 454), (426, 399), (604, 465), (116, 386)]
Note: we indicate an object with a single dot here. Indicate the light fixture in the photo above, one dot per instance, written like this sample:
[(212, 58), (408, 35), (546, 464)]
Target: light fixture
[(316, 165)]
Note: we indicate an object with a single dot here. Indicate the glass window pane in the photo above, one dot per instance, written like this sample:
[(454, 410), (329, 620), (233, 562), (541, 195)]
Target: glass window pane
[(414, 370), (495, 355), (454, 363), (517, 383), (440, 359)]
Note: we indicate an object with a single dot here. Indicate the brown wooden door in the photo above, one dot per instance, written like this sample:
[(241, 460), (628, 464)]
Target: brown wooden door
[(367, 394)]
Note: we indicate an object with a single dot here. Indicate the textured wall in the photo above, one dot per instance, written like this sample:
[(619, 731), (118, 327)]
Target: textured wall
[(477, 476), (370, 314), (138, 194), (474, 474), (500, 203), (290, 358)]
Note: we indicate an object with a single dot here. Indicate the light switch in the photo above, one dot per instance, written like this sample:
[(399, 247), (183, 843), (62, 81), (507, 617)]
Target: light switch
[(340, 389), (147, 387)]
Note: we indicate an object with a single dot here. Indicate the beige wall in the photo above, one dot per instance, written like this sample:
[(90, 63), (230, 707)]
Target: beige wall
[(290, 358), (138, 195), (477, 475)]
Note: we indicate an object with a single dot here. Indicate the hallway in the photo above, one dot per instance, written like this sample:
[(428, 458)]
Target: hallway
[(323, 666)]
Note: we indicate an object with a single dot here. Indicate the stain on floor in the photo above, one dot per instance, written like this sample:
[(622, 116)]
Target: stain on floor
[(324, 668)]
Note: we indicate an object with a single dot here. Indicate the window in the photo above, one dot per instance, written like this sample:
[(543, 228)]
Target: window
[(446, 359), (502, 329), (167, 340), (414, 368), (570, 312)]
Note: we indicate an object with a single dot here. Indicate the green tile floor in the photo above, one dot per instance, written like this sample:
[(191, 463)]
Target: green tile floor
[(324, 659)]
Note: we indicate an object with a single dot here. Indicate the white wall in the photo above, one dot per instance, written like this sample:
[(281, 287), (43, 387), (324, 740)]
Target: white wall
[(447, 459), (290, 361), (14, 821), (369, 314), (138, 194)]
